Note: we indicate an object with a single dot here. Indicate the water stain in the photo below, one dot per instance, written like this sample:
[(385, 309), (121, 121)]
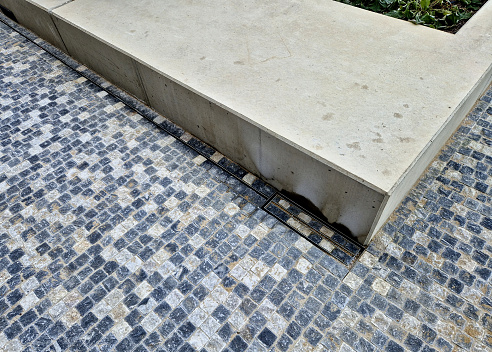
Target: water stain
[(344, 229), (386, 172), (238, 63), (328, 116), (406, 139), (365, 86), (305, 203), (379, 139), (406, 106), (398, 115), (203, 58), (355, 146)]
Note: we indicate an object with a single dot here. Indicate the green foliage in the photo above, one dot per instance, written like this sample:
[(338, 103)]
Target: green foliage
[(439, 14)]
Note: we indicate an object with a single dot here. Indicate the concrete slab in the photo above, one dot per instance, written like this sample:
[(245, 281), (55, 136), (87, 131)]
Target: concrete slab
[(326, 100), (35, 15)]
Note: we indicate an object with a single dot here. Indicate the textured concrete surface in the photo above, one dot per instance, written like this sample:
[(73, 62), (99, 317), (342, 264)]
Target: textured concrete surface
[(116, 236), (319, 98)]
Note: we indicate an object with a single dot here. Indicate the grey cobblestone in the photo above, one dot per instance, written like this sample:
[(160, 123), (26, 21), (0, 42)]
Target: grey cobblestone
[(114, 235)]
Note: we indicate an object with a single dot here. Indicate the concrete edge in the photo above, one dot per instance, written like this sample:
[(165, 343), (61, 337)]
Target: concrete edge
[(474, 26), (425, 158)]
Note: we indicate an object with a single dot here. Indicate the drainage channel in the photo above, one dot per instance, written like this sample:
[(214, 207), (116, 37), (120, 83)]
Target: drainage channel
[(318, 232)]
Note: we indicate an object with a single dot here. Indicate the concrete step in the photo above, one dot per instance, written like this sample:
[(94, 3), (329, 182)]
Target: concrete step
[(342, 106)]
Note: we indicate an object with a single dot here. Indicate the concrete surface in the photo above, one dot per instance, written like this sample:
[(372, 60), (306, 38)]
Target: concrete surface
[(365, 98)]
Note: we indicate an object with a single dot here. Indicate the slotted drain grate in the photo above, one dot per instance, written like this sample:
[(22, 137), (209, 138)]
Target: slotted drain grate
[(314, 230)]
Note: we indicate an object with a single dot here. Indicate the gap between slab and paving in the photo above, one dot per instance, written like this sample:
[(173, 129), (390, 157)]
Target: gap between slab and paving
[(340, 105)]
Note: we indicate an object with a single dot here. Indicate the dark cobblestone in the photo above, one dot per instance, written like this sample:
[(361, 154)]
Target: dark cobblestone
[(115, 235)]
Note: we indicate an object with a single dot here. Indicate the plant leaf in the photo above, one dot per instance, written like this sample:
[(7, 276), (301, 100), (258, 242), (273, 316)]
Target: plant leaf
[(424, 4)]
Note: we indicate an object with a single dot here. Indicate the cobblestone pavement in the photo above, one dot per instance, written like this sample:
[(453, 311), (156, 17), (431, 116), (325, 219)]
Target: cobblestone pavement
[(114, 235)]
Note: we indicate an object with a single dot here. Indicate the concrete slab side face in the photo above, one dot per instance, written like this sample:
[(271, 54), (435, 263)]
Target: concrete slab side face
[(197, 115), (37, 19), (115, 66), (342, 199)]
